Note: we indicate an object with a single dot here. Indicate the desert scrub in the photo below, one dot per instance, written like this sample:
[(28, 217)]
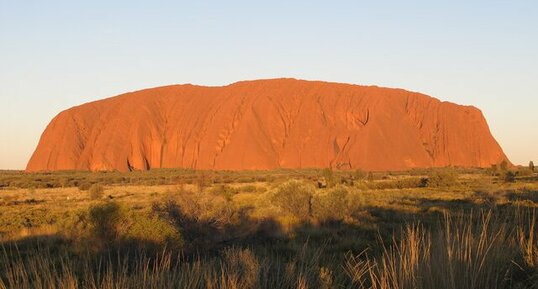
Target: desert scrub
[(150, 230), (206, 207), (84, 186), (404, 183), (109, 222), (331, 204), (224, 190), (96, 191), (442, 179), (105, 220), (331, 179), (508, 176), (295, 198)]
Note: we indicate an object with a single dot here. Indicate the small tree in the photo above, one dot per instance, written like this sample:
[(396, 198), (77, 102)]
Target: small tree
[(531, 166)]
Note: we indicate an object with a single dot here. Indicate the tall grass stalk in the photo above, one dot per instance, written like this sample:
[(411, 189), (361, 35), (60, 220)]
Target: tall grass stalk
[(482, 252)]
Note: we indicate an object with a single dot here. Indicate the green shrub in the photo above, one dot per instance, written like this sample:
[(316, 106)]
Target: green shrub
[(331, 205), (151, 229), (96, 191), (295, 198), (108, 222), (105, 220), (205, 208)]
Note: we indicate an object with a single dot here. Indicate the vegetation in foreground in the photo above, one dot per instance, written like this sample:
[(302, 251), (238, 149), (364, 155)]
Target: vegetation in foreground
[(444, 228)]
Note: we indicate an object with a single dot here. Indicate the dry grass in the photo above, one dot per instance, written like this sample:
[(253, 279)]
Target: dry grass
[(261, 230), (483, 251), (472, 252)]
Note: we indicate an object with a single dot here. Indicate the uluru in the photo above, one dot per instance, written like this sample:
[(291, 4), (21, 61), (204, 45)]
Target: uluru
[(267, 124)]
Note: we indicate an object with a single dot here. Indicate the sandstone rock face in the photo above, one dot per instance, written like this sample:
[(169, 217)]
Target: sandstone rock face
[(266, 124)]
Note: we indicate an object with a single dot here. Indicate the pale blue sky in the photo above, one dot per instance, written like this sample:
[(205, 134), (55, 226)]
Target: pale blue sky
[(56, 54)]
